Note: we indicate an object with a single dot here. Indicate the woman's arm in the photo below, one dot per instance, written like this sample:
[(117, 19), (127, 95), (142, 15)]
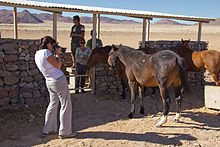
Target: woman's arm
[(55, 60)]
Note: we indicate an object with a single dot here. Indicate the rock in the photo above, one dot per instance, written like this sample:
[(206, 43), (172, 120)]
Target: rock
[(11, 80), (3, 93), (5, 74), (10, 58), (1, 82)]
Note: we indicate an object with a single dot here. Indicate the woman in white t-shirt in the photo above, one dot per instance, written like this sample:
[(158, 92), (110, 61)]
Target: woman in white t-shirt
[(56, 82)]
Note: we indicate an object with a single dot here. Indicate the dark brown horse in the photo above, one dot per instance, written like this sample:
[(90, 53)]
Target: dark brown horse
[(100, 55), (200, 60), (162, 69)]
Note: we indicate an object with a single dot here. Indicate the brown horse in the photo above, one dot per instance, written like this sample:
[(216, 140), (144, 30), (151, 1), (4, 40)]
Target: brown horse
[(200, 60), (100, 55), (162, 69)]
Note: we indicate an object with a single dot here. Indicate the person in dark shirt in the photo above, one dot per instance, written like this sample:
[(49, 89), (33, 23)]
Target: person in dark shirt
[(77, 33)]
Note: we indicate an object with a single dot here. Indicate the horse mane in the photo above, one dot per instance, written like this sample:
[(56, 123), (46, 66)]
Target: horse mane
[(130, 49)]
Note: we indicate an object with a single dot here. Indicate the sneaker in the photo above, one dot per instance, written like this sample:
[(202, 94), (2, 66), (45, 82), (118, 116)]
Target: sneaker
[(43, 135), (82, 90), (67, 136)]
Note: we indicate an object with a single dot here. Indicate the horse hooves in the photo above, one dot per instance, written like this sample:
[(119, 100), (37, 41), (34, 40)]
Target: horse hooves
[(130, 115)]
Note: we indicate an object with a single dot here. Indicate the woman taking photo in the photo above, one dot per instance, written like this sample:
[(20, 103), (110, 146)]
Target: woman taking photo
[(56, 83)]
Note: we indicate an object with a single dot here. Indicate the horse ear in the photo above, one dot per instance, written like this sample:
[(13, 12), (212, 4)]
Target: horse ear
[(189, 40), (114, 48), (182, 40)]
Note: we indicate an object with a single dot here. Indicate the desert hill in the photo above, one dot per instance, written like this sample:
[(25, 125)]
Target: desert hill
[(6, 16), (168, 22)]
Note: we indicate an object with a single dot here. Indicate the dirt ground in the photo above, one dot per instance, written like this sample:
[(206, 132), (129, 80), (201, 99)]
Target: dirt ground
[(102, 121)]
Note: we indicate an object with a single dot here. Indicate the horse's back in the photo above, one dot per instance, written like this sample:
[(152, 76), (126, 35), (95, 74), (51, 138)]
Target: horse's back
[(211, 60)]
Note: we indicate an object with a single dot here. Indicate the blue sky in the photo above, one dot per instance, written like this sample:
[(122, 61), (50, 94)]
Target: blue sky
[(200, 8)]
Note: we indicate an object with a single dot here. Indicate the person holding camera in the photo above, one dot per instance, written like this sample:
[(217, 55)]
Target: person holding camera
[(56, 83), (77, 33), (82, 55)]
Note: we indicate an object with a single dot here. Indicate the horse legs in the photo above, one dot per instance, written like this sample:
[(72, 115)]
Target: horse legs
[(166, 105), (132, 85), (216, 78), (178, 99), (123, 95), (141, 91)]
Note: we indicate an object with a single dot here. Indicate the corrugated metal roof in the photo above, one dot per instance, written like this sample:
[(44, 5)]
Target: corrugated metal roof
[(100, 10)]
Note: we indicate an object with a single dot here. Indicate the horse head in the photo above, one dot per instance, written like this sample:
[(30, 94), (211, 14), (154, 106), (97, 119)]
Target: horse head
[(185, 44), (99, 55), (113, 56), (185, 47)]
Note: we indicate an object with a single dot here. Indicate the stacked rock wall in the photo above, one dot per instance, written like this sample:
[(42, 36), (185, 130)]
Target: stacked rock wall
[(20, 80)]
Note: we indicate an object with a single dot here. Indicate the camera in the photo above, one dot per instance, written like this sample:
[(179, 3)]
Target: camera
[(63, 49)]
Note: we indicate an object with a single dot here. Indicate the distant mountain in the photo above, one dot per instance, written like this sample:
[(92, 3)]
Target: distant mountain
[(83, 19), (6, 16), (168, 22), (26, 17)]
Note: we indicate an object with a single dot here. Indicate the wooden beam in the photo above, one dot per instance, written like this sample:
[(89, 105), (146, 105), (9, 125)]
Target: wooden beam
[(144, 33), (15, 23), (148, 30), (55, 25), (199, 31)]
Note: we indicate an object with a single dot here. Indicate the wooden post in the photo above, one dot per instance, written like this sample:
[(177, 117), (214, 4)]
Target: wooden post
[(98, 26), (144, 33), (93, 46), (94, 31), (199, 31), (55, 25), (148, 30), (15, 23)]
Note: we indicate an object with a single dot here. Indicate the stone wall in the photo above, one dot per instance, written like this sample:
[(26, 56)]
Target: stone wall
[(107, 82), (20, 80)]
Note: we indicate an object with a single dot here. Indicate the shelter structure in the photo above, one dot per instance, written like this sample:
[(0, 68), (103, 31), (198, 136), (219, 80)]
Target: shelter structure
[(56, 8)]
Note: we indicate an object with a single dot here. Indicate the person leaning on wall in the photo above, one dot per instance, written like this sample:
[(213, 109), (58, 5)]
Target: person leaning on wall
[(56, 83), (89, 42), (77, 33)]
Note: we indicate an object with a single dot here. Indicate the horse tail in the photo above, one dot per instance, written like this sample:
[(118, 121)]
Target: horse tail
[(183, 75)]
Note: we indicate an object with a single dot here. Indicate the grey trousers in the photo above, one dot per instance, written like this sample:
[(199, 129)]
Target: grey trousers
[(59, 91)]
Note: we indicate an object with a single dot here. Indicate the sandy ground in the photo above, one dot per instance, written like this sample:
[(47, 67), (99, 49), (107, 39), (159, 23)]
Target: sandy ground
[(102, 121)]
